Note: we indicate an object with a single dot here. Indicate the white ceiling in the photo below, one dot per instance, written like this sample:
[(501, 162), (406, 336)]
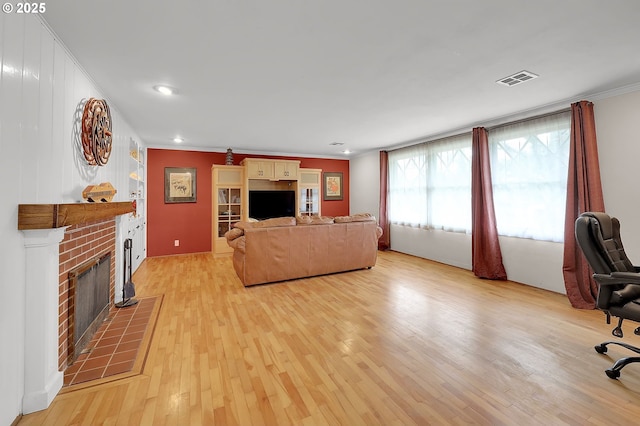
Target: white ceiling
[(293, 76)]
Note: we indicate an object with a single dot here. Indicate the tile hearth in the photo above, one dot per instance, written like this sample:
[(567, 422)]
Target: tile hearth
[(116, 345)]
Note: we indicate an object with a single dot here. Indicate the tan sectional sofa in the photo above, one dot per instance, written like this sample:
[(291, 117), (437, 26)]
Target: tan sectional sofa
[(289, 248)]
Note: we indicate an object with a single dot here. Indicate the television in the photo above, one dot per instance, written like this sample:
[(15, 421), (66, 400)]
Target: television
[(270, 204)]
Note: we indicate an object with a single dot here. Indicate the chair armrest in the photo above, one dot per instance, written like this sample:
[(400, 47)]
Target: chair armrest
[(628, 288), (628, 277), (617, 278)]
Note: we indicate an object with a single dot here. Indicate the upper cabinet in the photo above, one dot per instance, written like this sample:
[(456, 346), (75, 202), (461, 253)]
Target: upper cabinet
[(260, 168), (287, 169), (257, 168)]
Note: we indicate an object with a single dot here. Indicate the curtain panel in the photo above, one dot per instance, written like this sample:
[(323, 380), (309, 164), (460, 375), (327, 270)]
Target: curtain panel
[(486, 256), (384, 243), (584, 193)]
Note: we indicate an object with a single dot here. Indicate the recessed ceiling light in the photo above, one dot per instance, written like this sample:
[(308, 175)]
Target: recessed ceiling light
[(165, 90), (178, 139), (346, 151)]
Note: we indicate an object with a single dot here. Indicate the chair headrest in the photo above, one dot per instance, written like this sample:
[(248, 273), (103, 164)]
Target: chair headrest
[(599, 239), (605, 221)]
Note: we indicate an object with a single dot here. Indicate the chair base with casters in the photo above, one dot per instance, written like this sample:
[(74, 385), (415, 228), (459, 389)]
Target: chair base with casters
[(614, 371), (598, 236)]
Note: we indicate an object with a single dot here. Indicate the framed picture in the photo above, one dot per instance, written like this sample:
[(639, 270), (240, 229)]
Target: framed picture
[(332, 186), (179, 185)]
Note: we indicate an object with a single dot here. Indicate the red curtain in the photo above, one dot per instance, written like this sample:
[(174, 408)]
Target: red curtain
[(584, 193), (384, 243), (486, 256)]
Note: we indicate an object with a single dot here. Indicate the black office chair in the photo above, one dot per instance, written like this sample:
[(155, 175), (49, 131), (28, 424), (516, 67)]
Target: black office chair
[(598, 235)]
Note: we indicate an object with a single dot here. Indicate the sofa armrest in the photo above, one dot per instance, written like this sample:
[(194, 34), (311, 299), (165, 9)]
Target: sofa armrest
[(378, 232), (237, 244), (233, 233)]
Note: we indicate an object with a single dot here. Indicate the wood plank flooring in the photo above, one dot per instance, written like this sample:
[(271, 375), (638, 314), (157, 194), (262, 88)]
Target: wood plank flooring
[(407, 342)]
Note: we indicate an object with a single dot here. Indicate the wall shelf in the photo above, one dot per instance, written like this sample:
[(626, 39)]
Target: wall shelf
[(137, 220)]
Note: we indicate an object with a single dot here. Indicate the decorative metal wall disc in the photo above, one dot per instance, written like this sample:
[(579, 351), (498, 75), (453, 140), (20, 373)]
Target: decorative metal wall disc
[(96, 132)]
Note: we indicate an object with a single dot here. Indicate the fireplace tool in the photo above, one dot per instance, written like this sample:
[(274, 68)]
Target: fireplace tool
[(128, 288)]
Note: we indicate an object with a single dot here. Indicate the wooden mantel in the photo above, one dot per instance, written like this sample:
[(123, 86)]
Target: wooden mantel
[(48, 216)]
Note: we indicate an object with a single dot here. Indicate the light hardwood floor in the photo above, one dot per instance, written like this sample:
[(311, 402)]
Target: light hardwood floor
[(407, 342)]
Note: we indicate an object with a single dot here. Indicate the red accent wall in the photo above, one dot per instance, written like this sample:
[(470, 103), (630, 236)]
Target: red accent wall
[(191, 222)]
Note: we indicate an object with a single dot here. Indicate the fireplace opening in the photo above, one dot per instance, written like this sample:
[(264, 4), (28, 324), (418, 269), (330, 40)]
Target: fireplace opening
[(89, 301)]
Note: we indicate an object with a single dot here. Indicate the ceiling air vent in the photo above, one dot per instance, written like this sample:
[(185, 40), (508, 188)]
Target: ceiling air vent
[(336, 143), (517, 78)]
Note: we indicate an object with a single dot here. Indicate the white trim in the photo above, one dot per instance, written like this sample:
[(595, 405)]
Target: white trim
[(42, 380)]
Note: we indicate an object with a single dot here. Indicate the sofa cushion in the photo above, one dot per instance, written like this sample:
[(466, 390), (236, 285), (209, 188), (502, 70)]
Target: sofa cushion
[(267, 223), (275, 222), (358, 217), (314, 220)]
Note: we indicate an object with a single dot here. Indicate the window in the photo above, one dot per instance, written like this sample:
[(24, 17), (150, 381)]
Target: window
[(430, 184), (529, 163)]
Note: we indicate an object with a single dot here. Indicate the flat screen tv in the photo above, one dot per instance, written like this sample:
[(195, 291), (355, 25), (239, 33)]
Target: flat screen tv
[(270, 204)]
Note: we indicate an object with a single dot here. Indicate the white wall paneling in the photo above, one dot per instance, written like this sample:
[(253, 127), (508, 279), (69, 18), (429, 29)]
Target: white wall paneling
[(12, 272), (41, 93)]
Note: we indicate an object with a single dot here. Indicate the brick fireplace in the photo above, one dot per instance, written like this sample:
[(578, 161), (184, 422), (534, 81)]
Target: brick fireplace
[(82, 242), (57, 236)]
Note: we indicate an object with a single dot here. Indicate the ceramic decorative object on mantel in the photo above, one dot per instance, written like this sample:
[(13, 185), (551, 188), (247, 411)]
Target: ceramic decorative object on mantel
[(99, 193), (229, 158)]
